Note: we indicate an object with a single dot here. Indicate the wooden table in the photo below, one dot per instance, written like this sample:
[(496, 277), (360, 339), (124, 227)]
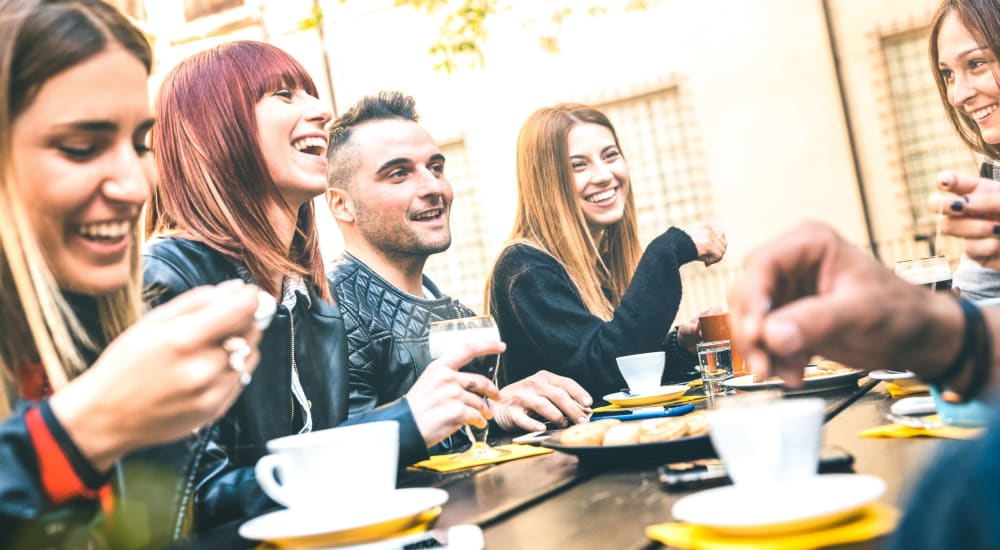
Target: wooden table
[(550, 502)]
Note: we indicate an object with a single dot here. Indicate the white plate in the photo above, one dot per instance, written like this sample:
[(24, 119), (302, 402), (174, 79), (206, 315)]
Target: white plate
[(403, 509), (662, 394), (886, 375), (809, 385), (914, 406), (784, 508)]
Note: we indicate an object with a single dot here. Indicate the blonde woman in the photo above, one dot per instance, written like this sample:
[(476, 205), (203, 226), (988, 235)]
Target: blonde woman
[(573, 289), (79, 389)]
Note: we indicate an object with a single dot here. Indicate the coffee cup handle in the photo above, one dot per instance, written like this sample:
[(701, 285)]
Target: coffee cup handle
[(264, 470)]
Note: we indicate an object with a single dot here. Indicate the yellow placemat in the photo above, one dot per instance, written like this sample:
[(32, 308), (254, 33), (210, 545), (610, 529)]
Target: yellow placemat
[(445, 464), (901, 431), (679, 401), (875, 521), (896, 391)]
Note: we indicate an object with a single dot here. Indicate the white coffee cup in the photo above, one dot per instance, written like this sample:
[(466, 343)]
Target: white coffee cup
[(358, 460), (767, 442), (642, 372)]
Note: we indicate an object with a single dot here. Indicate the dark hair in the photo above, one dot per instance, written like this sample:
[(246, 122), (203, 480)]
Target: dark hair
[(982, 18), (341, 162), (212, 171)]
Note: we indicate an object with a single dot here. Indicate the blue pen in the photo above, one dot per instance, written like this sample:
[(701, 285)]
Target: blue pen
[(653, 412)]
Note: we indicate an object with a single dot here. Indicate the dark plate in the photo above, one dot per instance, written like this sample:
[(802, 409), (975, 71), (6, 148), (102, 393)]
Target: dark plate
[(640, 454), (810, 385)]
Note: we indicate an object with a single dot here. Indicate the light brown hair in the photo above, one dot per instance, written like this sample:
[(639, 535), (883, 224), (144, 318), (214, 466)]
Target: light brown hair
[(549, 216)]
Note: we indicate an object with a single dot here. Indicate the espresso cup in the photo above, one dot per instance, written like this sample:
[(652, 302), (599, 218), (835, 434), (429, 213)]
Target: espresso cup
[(768, 442), (358, 460), (715, 327), (642, 372)]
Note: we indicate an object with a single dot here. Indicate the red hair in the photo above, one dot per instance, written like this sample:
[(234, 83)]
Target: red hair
[(215, 185)]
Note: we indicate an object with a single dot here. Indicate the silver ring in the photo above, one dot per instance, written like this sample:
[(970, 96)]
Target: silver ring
[(238, 350)]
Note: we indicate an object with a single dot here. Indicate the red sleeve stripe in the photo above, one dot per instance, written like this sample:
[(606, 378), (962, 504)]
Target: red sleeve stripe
[(60, 482)]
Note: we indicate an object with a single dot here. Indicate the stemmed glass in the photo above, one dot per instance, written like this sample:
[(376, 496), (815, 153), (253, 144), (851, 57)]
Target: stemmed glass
[(444, 335)]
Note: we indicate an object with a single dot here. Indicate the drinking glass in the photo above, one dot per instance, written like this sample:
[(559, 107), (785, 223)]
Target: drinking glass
[(933, 273), (444, 335), (716, 362)]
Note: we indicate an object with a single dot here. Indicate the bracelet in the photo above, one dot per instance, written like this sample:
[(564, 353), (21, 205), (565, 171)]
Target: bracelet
[(977, 346)]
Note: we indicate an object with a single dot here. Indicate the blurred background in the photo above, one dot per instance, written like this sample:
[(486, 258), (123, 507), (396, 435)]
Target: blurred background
[(755, 114)]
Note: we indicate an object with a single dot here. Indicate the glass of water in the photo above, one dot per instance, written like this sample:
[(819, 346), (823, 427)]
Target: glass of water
[(715, 360)]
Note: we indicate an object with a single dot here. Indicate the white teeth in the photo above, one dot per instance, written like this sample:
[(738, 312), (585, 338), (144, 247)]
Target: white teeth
[(427, 215), (104, 230), (310, 142), (983, 113), (603, 196)]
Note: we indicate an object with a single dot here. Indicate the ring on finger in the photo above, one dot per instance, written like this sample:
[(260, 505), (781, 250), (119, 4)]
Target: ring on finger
[(238, 350)]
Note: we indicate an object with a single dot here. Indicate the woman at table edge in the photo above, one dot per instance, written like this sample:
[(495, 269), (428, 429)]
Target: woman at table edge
[(85, 381), (572, 289)]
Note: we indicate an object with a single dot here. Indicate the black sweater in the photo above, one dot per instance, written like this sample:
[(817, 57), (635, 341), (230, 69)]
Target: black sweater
[(546, 326)]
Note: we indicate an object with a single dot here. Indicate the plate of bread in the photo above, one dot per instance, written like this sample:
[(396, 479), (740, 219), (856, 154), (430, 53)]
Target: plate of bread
[(816, 378), (611, 442)]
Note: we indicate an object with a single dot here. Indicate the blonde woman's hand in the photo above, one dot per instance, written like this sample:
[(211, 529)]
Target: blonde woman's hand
[(971, 206), (165, 376), (442, 400), (710, 240)]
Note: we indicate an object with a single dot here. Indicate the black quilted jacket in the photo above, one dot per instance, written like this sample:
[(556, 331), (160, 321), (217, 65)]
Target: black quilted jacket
[(226, 486), (386, 331)]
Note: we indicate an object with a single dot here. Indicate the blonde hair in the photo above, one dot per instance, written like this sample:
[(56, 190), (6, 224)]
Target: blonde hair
[(37, 41), (550, 219)]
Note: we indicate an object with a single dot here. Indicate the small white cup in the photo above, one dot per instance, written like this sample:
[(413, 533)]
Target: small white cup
[(642, 372), (762, 443), (359, 460)]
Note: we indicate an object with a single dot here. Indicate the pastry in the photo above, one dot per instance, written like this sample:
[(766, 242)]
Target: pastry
[(662, 429), (588, 433), (626, 433)]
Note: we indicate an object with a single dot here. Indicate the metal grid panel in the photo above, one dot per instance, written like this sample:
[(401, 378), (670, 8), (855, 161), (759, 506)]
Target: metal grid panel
[(461, 270), (193, 9), (927, 141), (655, 132)]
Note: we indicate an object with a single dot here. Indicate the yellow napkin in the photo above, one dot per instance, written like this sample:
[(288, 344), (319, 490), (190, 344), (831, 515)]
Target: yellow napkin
[(679, 401), (901, 431), (875, 521), (896, 391), (445, 464)]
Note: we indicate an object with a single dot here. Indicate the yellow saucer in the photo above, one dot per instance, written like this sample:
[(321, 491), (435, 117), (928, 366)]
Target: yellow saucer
[(659, 396)]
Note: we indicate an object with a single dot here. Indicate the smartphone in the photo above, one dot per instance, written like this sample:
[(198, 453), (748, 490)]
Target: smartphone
[(702, 474)]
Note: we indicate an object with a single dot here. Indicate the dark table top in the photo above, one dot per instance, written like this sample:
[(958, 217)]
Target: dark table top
[(553, 502)]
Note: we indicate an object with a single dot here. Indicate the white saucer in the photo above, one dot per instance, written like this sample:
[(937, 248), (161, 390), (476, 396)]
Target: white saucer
[(914, 406), (886, 375), (651, 397), (401, 510), (783, 508)]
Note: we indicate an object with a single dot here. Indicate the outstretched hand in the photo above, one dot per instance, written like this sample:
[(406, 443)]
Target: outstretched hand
[(810, 292)]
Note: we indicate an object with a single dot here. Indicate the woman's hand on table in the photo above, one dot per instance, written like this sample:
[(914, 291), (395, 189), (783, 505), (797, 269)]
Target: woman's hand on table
[(553, 398), (971, 206), (810, 292), (442, 400), (165, 376)]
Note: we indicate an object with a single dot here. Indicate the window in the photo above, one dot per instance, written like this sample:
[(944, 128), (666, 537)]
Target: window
[(193, 9), (927, 141), (669, 185), (460, 271)]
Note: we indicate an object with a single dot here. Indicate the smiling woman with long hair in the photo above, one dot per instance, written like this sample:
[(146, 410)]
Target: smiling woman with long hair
[(84, 382), (572, 288)]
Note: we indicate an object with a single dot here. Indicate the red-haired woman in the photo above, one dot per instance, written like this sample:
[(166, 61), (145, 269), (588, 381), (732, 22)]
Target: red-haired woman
[(241, 151)]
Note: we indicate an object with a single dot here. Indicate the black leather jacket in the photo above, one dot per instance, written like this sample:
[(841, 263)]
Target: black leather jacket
[(386, 331), (226, 486)]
